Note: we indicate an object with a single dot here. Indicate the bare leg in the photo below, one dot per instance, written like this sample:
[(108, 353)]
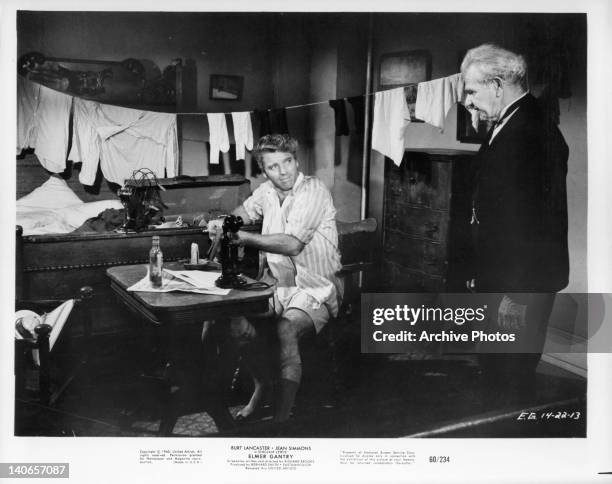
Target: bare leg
[(256, 398), (293, 325), (256, 364), (251, 347)]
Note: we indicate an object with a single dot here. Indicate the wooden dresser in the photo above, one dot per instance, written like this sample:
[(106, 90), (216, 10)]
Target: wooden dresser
[(426, 231)]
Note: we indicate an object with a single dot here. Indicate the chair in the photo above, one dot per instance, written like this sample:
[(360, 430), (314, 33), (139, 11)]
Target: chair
[(23, 347), (48, 390), (358, 245)]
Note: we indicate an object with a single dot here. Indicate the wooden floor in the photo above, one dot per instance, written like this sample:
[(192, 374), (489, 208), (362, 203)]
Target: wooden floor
[(382, 396)]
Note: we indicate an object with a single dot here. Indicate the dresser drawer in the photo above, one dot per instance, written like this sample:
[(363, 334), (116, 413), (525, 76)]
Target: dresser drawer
[(402, 279), (417, 222), (418, 254), (419, 182)]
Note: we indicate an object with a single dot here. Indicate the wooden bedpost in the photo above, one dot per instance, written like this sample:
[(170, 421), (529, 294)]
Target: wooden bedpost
[(18, 263)]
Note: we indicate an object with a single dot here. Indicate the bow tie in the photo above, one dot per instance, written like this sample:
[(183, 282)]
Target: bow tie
[(501, 119), (509, 110)]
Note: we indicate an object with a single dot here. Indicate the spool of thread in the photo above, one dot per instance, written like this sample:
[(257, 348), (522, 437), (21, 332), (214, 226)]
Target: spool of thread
[(195, 253)]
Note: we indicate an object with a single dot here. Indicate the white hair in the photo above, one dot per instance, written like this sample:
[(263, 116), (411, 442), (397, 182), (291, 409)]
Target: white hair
[(494, 61)]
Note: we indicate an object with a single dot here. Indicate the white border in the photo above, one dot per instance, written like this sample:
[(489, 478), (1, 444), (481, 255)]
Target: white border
[(473, 460)]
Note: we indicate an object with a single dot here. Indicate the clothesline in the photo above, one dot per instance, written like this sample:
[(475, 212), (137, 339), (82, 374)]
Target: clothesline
[(197, 113), (391, 115), (316, 103)]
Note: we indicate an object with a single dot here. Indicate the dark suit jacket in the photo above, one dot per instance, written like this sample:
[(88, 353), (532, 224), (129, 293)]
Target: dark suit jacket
[(520, 200)]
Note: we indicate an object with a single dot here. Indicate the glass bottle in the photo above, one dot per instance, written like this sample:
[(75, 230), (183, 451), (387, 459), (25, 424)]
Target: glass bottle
[(156, 263)]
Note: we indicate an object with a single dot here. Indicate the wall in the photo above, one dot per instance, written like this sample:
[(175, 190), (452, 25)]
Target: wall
[(162, 37), (296, 58), (350, 81), (401, 32), (322, 57), (218, 43)]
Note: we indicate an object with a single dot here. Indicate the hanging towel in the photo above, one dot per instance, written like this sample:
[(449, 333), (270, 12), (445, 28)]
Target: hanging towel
[(355, 161), (435, 98), (219, 139), (122, 140), (391, 116), (43, 116), (341, 122), (243, 133)]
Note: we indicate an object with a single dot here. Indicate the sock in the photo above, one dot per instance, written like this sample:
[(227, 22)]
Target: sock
[(285, 398)]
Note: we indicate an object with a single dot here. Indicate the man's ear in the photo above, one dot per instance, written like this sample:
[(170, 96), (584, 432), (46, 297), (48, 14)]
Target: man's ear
[(499, 86)]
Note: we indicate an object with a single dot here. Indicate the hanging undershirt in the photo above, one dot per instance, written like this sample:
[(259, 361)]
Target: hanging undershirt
[(218, 137), (435, 98), (122, 140), (243, 133), (391, 116), (42, 123)]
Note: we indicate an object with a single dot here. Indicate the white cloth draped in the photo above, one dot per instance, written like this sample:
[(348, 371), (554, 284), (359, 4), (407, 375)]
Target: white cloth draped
[(122, 140)]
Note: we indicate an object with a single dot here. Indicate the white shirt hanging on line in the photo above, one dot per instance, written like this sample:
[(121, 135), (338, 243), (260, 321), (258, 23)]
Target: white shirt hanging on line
[(122, 140), (391, 116), (43, 116)]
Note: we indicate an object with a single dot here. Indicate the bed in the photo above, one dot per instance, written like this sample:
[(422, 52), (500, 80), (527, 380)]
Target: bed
[(54, 265)]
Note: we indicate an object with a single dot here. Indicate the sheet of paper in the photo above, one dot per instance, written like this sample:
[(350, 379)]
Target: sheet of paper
[(171, 283), (56, 319), (198, 279)]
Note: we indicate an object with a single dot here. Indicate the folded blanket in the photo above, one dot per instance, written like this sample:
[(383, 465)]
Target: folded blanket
[(107, 221)]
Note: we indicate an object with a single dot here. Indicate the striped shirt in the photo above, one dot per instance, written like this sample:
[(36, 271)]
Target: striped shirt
[(308, 214)]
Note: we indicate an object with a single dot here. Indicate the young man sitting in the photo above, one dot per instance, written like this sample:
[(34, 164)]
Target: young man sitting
[(300, 243)]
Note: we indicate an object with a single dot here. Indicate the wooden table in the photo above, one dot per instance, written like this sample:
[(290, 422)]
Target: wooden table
[(166, 311)]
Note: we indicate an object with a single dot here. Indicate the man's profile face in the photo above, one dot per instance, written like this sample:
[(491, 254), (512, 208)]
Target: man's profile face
[(485, 97), (281, 169)]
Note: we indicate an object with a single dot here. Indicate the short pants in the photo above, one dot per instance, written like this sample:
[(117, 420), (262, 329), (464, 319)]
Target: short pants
[(293, 297)]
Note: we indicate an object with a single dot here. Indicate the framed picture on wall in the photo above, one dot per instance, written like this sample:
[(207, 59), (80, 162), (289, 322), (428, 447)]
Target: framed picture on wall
[(407, 69), (228, 88)]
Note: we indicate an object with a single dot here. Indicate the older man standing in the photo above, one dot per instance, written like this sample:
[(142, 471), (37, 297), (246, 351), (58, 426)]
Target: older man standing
[(519, 204)]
